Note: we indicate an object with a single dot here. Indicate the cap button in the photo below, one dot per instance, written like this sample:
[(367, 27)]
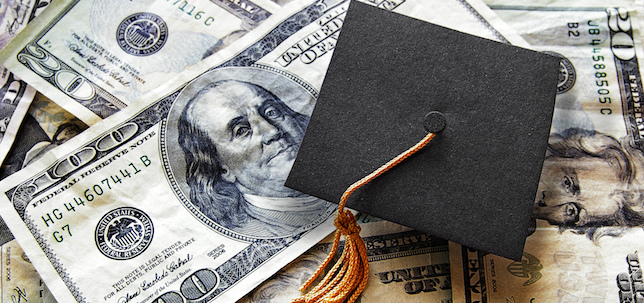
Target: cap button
[(434, 122)]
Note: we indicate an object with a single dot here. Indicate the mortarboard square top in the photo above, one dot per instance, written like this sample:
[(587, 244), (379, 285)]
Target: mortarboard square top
[(475, 183)]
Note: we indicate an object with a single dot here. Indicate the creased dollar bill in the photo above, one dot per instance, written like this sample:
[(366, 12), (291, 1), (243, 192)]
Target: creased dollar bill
[(15, 94), (180, 197), (20, 281), (405, 266), (96, 57), (589, 210)]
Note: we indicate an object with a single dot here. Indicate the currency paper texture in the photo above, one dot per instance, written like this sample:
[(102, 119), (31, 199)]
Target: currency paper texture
[(181, 197), (589, 208), (95, 57), (405, 266), (555, 268), (45, 126)]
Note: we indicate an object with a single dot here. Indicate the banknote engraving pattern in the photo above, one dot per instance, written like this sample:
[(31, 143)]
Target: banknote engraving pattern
[(124, 233), (55, 261), (256, 254), (251, 13), (483, 22), (529, 268), (279, 34), (571, 251), (63, 77), (623, 49), (142, 34), (567, 73), (259, 246), (406, 266)]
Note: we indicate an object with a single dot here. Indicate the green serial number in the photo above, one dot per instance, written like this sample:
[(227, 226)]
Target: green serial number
[(90, 194)]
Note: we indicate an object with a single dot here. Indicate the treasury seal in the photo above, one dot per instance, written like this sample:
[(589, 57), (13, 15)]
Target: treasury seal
[(142, 34), (567, 74), (124, 233)]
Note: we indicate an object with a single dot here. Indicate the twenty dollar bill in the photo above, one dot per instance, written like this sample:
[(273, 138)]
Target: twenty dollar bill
[(588, 211)]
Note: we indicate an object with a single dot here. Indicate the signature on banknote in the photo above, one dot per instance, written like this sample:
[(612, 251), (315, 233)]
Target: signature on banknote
[(15, 15), (18, 13), (129, 297), (20, 295)]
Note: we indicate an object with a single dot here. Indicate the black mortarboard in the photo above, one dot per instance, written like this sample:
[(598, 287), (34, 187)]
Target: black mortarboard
[(475, 183)]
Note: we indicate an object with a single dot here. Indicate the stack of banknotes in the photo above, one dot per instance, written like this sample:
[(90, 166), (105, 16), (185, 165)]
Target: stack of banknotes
[(120, 183)]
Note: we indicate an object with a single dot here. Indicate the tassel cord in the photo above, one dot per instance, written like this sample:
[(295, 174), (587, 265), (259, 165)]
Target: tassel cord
[(351, 272)]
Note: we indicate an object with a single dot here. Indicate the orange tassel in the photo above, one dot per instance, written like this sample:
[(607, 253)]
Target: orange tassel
[(349, 275)]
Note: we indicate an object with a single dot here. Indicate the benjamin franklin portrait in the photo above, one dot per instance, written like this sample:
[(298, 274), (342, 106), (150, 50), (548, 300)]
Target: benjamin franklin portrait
[(232, 137)]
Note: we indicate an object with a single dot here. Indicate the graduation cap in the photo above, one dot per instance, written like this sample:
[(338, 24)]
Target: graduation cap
[(391, 80)]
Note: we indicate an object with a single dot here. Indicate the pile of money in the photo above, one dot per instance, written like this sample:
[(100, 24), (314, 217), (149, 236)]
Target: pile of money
[(127, 178)]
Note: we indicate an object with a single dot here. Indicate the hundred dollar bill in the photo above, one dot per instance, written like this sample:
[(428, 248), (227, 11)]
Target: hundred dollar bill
[(20, 281), (588, 211), (15, 98), (305, 49), (180, 197), (96, 57), (405, 266), (25, 132), (15, 14)]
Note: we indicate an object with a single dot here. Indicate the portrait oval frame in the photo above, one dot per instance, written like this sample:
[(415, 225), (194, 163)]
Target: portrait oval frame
[(294, 92)]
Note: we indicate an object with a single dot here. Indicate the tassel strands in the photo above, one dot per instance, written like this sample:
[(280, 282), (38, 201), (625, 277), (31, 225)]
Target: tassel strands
[(348, 277)]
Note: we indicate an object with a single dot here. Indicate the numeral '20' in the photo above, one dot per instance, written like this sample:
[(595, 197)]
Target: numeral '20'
[(46, 66)]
